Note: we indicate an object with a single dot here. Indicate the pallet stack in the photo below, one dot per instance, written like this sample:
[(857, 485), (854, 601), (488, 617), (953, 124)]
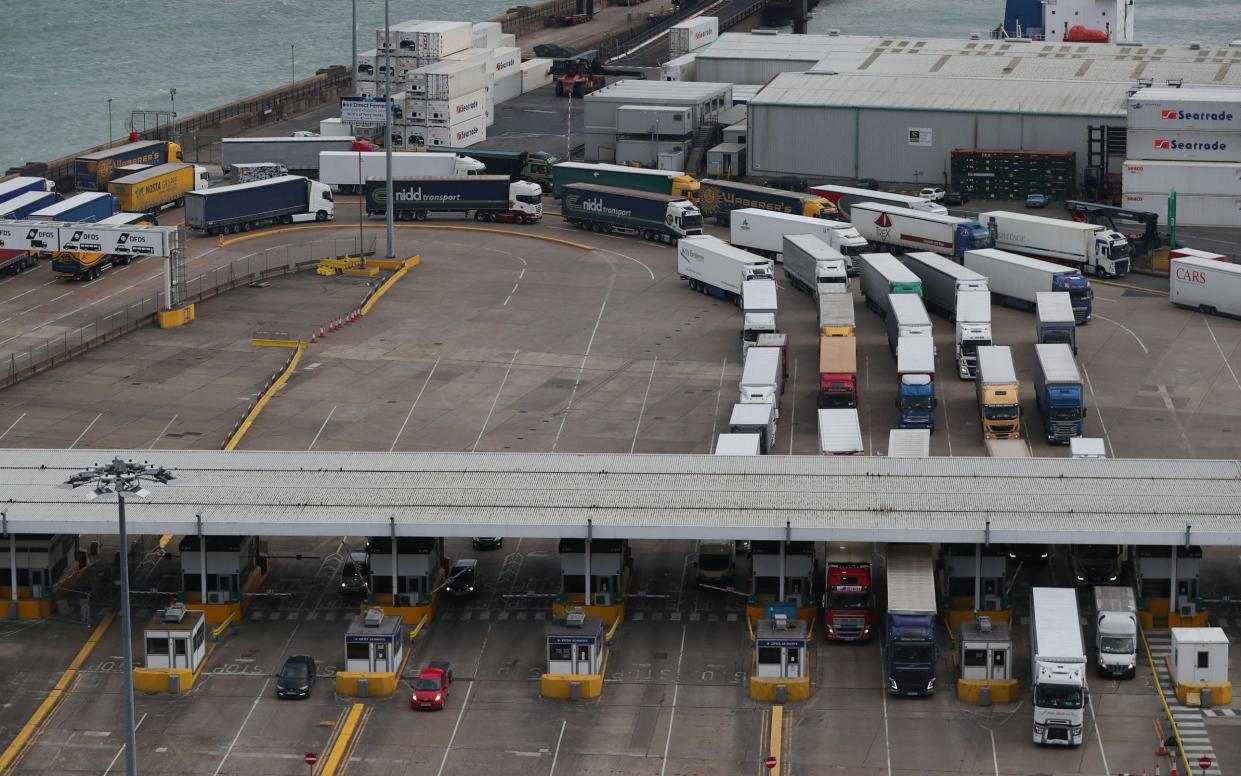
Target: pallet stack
[(1000, 174)]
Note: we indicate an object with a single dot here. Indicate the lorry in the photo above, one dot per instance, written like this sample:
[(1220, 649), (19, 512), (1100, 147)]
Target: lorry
[(763, 232), (897, 229), (758, 310), (780, 341), (840, 432), (762, 378), (158, 187), (836, 315), (998, 393), (299, 155), (909, 443), (22, 184), (973, 330), (1058, 389), (755, 419), (85, 206), (837, 372), (882, 276), (909, 650), (714, 561), (1057, 666), (1088, 247), (17, 208), (1097, 564), (670, 182), (94, 171), (845, 197), (942, 279), (608, 209), (1016, 280), (712, 266), (915, 387), (87, 265), (488, 197), (1210, 287), (244, 206), (1116, 631), (906, 318), (432, 686), (1054, 320), (737, 444), (532, 166), (1012, 448), (719, 198), (848, 598), (348, 171), (809, 262)]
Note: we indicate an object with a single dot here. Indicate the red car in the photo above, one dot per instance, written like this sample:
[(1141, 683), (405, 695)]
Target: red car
[(432, 686)]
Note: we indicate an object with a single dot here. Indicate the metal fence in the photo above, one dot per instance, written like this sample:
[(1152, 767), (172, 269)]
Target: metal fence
[(90, 334)]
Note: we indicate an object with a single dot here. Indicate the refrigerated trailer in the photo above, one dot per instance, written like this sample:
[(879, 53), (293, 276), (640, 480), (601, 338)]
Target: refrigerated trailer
[(1088, 247), (882, 275), (763, 232), (909, 650), (973, 330), (1016, 280), (899, 229), (809, 262), (1211, 287), (1057, 666), (348, 171), (942, 279), (712, 266)]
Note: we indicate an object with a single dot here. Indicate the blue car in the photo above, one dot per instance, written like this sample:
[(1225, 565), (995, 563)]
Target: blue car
[(1036, 200)]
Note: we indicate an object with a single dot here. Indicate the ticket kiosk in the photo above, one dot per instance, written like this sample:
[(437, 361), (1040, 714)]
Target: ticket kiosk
[(780, 669), (1167, 586), (575, 657), (974, 578), (1199, 666), (415, 568), (175, 643), (985, 657), (783, 572), (31, 567), (373, 643), (594, 575)]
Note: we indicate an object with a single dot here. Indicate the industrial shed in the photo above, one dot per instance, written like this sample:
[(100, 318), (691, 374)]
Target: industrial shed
[(893, 128)]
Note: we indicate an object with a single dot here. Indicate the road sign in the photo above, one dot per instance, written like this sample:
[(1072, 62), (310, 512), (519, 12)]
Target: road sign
[(364, 110), (311, 758), (1204, 762), (770, 762), (28, 236), (89, 238)]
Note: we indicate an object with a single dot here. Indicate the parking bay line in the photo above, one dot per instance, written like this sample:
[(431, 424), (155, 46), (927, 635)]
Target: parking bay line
[(676, 686), (415, 404), (121, 751)]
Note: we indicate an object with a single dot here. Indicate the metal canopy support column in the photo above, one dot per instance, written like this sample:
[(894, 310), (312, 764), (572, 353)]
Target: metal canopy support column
[(392, 527), (977, 577), (4, 516), (175, 292), (589, 532), (788, 530), (1174, 604), (202, 560)]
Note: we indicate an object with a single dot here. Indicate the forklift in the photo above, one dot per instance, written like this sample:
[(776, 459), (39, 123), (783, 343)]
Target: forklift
[(1139, 227), (578, 74)]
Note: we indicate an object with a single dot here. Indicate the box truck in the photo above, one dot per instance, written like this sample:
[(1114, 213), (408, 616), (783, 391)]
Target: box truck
[(882, 276), (533, 166), (1058, 389), (719, 198), (909, 443), (998, 393), (243, 206), (1057, 666), (837, 372), (22, 184), (809, 262), (348, 171), (763, 232), (897, 229), (758, 309), (158, 187), (973, 330), (1211, 287), (836, 315), (712, 266), (840, 433), (909, 651), (87, 265), (848, 600), (1016, 280), (86, 206), (755, 419), (915, 382), (942, 279), (21, 206), (1116, 631), (1054, 321), (906, 318), (1091, 248), (608, 209), (845, 197), (671, 182), (762, 377), (93, 171), (299, 155), (488, 197)]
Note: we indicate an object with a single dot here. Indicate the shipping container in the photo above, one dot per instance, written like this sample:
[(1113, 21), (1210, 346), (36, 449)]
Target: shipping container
[(23, 205), (505, 61), (692, 34), (448, 79), (1187, 107), (1211, 287), (1191, 210), (456, 110), (535, 74), (680, 68), (401, 37), (23, 183), (297, 154), (93, 171), (1184, 145), (158, 187), (467, 133), (1185, 178), (435, 39), (1005, 174), (242, 206), (506, 87), (87, 206)]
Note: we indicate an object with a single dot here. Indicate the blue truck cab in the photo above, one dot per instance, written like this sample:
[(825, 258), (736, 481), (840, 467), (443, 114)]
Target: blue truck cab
[(1079, 291), (1058, 389), (909, 651), (971, 236), (915, 391)]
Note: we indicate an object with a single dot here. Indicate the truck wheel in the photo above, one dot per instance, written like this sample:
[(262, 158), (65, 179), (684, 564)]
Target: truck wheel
[(478, 215), (491, 217), (420, 215), (321, 215)]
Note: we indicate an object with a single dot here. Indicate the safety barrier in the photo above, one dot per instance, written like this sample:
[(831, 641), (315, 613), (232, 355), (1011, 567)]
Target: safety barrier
[(1163, 701), (274, 383), (371, 298), (566, 687)]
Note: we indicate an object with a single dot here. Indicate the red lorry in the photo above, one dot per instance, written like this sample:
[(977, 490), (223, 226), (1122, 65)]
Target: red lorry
[(849, 602), (432, 686), (837, 372)]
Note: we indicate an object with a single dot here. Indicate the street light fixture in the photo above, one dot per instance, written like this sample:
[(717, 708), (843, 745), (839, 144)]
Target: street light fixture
[(110, 135), (121, 477)]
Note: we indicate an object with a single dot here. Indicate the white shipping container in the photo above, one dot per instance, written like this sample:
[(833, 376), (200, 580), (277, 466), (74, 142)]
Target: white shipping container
[(457, 110), (508, 40), (1184, 145), (439, 38), (840, 433), (415, 111), (369, 89), (403, 35), (1205, 284), (535, 73), (1213, 178), (1191, 210), (486, 34), (458, 135), (366, 63), (681, 68), (507, 87), (692, 34), (445, 80), (1212, 110), (505, 60)]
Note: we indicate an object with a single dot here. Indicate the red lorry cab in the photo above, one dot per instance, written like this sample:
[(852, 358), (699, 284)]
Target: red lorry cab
[(849, 601), (837, 373)]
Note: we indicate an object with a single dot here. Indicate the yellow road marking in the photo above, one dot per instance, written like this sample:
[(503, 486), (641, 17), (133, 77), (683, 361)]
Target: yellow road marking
[(409, 263), (1114, 284), (444, 227), (777, 733), (253, 414), (164, 540), (337, 758)]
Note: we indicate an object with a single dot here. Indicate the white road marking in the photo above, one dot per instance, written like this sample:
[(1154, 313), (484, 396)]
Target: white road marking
[(1126, 328), (1098, 411), (556, 756), (793, 408), (461, 714), (887, 741), (121, 751), (1221, 353), (995, 759), (415, 404), (676, 685), (53, 299), (715, 415), (1102, 755), (31, 291), (10, 428), (330, 413), (241, 729), (88, 428), (494, 401), (633, 446), (161, 433), (582, 366), (1167, 397), (506, 300), (943, 400), (623, 256)]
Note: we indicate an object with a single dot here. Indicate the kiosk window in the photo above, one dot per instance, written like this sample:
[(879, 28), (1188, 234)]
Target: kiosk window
[(1204, 659), (976, 657), (381, 651), (200, 635), (560, 651), (769, 655), (793, 656), (357, 651), (583, 653), (157, 646), (997, 659), (179, 646)]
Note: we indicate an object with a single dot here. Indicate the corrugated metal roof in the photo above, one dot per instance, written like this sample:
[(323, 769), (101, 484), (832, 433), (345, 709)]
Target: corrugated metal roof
[(972, 95), (643, 496)]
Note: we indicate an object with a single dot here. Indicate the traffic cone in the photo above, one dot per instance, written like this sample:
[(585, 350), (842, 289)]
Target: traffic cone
[(1173, 768), (313, 338), (1162, 752)]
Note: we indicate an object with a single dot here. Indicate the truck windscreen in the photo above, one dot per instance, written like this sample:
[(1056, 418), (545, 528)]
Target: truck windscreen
[(913, 653), (1058, 696), (1116, 645)]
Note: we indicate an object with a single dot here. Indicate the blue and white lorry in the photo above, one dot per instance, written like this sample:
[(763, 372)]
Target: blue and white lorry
[(1016, 280), (915, 387), (244, 206), (22, 184), (1058, 388), (89, 206)]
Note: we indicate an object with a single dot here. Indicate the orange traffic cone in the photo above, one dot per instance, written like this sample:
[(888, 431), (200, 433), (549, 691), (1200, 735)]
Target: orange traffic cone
[(322, 333), (1162, 751), (1174, 768)]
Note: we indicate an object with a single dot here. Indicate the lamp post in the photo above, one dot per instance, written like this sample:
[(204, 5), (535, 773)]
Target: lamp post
[(353, 73), (388, 130), (109, 144), (293, 63), (121, 477)]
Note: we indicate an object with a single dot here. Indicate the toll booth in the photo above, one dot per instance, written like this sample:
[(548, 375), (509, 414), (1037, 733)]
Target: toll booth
[(575, 657), (176, 638), (800, 576), (1155, 567), (373, 643), (974, 578), (419, 565), (234, 567), (781, 671), (31, 567), (985, 659), (610, 564), (1199, 666)]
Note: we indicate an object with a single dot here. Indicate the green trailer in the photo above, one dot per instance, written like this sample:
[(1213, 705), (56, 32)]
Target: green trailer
[(533, 166), (671, 182)]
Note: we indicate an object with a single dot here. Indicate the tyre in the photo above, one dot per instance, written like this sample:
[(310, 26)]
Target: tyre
[(420, 215), (491, 217), (478, 216), (321, 215)]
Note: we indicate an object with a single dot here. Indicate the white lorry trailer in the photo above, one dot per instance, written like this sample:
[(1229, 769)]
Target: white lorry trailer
[(1088, 247), (1016, 280), (1116, 631), (758, 308), (713, 267), (1057, 666), (1211, 287), (840, 433), (763, 231), (845, 197), (836, 316), (906, 318), (1054, 322), (882, 275), (762, 377), (973, 330), (895, 228), (755, 419), (808, 261), (738, 444), (347, 171), (942, 279)]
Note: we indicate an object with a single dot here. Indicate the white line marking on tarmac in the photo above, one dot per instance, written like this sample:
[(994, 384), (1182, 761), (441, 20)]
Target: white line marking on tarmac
[(793, 408), (330, 413), (943, 400), (10, 428), (88, 428), (1221, 353), (241, 729), (995, 759), (676, 685), (582, 366), (556, 755), (415, 404), (121, 751), (1126, 328), (165, 431), (1102, 755), (36, 307), (506, 300), (887, 742), (1098, 411), (623, 256), (715, 415), (494, 401), (464, 703), (633, 446), (31, 291)]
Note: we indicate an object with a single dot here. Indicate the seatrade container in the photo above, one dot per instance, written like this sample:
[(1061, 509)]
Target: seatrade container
[(1184, 145), (692, 34), (1209, 110), (1191, 209), (1214, 178)]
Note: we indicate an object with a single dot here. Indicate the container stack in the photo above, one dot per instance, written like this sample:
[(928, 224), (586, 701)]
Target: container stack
[(535, 74), (692, 34), (987, 174), (1186, 140)]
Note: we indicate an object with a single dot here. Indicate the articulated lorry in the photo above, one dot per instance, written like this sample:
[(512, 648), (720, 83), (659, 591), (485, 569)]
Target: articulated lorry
[(758, 311), (652, 216), (299, 155), (998, 393), (348, 171), (898, 229), (837, 372), (973, 330), (762, 377), (87, 206), (909, 650), (848, 600), (836, 314), (1210, 287), (21, 206), (719, 198), (1058, 388), (1088, 247), (94, 171), (1054, 319), (882, 276), (670, 182), (915, 387), (840, 432), (845, 197), (158, 187), (1116, 631), (906, 318), (755, 419), (713, 267), (809, 262), (763, 232), (22, 184), (244, 206), (1016, 280), (942, 279), (87, 265), (488, 197), (532, 166), (1057, 666), (1097, 564)]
